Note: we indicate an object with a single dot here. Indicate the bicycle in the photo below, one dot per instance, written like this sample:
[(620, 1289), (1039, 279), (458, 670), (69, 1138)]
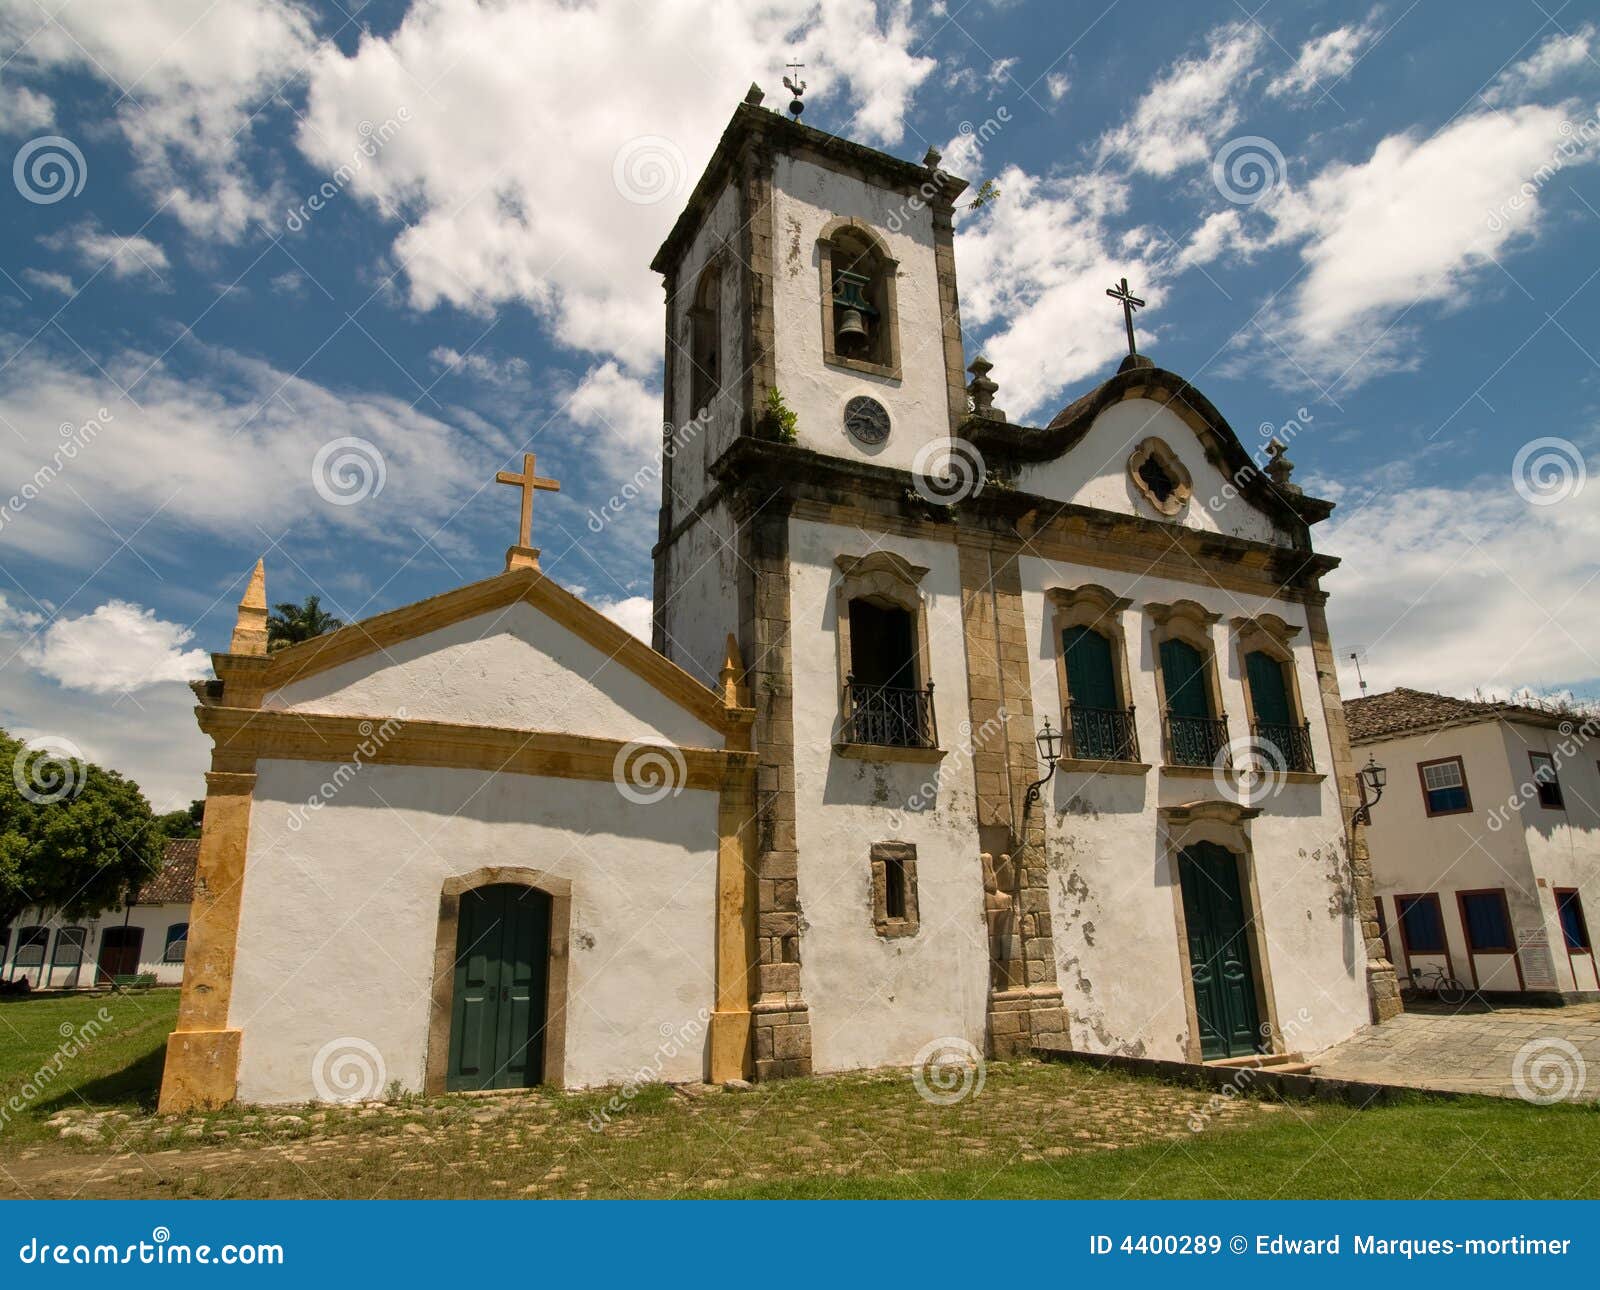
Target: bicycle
[(1440, 984)]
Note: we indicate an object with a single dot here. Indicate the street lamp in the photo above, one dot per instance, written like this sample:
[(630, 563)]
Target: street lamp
[(1371, 776), (1049, 742)]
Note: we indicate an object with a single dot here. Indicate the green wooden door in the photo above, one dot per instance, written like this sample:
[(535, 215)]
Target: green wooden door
[(1219, 952), (1268, 693), (1183, 675), (498, 1012), (1091, 684)]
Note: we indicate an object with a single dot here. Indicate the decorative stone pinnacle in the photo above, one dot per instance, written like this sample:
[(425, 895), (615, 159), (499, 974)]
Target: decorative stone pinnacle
[(754, 95), (733, 692), (932, 158), (982, 390), (250, 628), (1280, 467)]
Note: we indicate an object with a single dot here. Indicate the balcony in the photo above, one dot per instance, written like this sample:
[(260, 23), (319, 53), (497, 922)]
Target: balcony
[(1101, 734), (1195, 741), (888, 716), (1294, 742)]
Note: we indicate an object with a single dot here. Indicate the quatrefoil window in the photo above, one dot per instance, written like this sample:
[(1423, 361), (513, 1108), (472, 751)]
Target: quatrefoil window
[(1160, 477)]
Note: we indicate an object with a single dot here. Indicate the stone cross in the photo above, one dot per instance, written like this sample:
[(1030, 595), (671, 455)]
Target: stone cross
[(1130, 302), (525, 555)]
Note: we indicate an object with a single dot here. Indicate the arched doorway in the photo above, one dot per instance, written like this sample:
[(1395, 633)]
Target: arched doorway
[(1217, 923), (498, 1007)]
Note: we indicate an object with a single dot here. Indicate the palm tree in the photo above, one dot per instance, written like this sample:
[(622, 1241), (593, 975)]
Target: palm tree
[(289, 623)]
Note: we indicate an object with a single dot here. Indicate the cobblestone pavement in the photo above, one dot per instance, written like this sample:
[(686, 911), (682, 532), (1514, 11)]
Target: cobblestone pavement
[(1540, 1054)]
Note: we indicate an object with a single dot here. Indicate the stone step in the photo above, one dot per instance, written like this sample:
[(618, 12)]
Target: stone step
[(1272, 1061)]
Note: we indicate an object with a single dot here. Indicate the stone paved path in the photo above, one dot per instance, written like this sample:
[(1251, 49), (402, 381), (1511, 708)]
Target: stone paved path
[(1541, 1054)]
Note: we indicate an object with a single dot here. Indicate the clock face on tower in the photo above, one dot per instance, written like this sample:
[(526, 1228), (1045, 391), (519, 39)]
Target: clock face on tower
[(867, 420)]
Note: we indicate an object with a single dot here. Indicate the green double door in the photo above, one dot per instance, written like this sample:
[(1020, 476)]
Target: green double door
[(497, 1018), (1219, 952)]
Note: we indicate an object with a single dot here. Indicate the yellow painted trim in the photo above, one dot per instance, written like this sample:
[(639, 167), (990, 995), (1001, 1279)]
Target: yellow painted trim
[(314, 736)]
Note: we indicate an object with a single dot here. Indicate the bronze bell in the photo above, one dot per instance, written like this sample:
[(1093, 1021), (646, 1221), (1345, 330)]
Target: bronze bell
[(851, 310)]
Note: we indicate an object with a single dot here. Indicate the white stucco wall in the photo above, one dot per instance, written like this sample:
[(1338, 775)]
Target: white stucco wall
[(1095, 473), (339, 917), (513, 668), (875, 1001), (1112, 883), (154, 920), (805, 197), (1507, 841), (702, 603)]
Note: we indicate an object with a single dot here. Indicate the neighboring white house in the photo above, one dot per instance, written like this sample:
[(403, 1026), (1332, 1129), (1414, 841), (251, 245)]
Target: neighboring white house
[(490, 839), (1486, 845), (148, 937)]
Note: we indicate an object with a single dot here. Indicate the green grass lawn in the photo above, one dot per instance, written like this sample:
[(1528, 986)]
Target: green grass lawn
[(1033, 1130)]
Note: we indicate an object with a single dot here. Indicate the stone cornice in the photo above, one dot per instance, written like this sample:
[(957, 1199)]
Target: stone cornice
[(1003, 442)]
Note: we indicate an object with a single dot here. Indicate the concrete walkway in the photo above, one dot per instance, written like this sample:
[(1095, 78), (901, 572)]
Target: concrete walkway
[(1539, 1054)]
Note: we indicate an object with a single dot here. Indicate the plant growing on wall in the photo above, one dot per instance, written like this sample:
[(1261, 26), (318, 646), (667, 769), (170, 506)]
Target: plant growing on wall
[(779, 420)]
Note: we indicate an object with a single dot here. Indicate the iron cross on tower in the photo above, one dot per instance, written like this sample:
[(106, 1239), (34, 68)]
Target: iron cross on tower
[(1130, 302), (525, 555)]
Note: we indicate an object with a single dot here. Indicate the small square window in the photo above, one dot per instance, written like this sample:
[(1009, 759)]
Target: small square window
[(1487, 921), (894, 889), (1444, 786), (1544, 778)]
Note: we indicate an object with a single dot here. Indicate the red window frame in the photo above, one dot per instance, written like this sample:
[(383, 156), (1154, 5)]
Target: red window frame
[(1422, 781)]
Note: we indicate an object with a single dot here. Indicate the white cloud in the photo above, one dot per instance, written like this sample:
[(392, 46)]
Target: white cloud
[(1442, 208), (291, 282), (1000, 70), (48, 281), (632, 613), (121, 257), (226, 449), (1438, 588), (190, 75), (1057, 84), (624, 411), (1190, 108), (118, 647), (486, 367), (1556, 58), (505, 169), (23, 111), (1323, 60)]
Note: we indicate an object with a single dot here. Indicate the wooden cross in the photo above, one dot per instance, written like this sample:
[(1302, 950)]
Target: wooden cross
[(1130, 302), (524, 554)]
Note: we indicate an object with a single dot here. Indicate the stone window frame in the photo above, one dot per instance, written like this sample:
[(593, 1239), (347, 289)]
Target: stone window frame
[(1271, 635), (1225, 824), (1185, 620), (906, 853), (1095, 606), (889, 579), (888, 306), (1183, 482), (442, 999), (699, 315)]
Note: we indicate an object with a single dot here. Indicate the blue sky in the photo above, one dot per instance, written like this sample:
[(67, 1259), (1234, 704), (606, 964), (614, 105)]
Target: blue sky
[(1375, 223)]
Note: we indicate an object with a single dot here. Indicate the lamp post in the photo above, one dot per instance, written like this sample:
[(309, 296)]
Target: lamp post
[(1371, 776), (1049, 742)]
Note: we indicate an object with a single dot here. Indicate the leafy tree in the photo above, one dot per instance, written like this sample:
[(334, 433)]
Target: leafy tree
[(74, 837), (183, 824), (289, 623)]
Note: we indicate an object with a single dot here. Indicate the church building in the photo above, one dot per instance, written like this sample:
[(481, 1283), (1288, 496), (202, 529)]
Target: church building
[(956, 734)]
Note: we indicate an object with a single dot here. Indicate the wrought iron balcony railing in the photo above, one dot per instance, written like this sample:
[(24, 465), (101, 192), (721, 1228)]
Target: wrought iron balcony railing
[(1294, 742), (892, 716), (1101, 734), (1195, 741)]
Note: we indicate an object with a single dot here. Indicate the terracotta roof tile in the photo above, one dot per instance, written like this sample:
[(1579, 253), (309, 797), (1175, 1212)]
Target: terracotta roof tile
[(174, 884), (1399, 710)]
